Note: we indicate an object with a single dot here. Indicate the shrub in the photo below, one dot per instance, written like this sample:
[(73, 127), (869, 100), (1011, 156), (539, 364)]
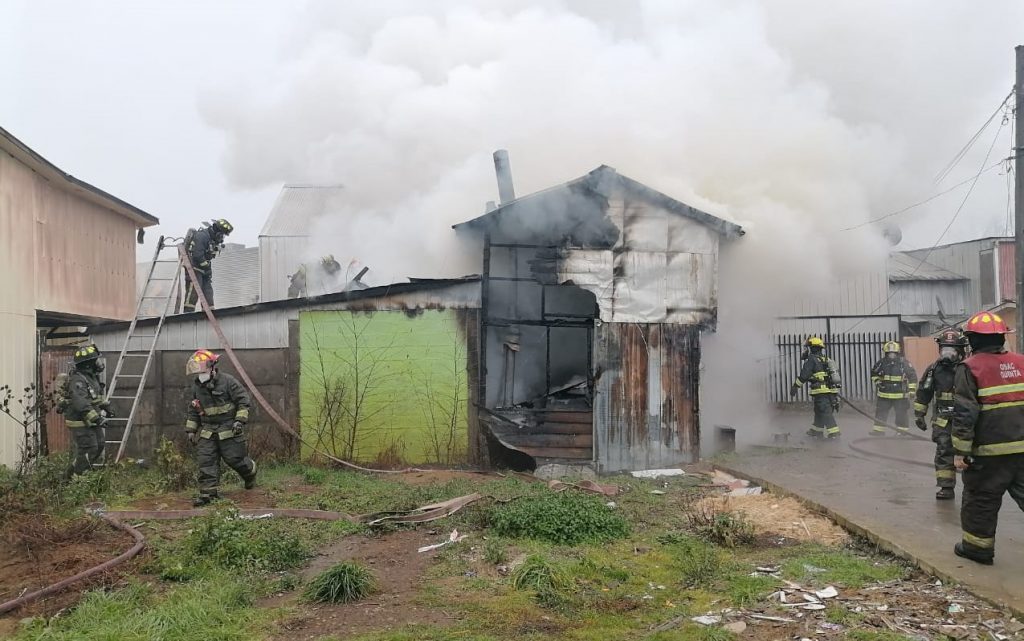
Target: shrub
[(567, 518), (314, 475), (495, 552), (176, 471), (230, 542), (728, 529), (699, 563), (342, 583)]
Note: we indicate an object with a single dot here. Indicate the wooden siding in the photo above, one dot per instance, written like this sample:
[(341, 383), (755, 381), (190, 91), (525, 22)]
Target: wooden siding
[(646, 411)]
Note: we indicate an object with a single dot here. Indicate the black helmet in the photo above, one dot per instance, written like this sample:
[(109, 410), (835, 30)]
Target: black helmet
[(87, 354), (951, 338), (222, 227)]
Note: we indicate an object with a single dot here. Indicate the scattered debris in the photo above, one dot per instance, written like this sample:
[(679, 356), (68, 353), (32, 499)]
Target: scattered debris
[(668, 625), (765, 617), (430, 512), (745, 491), (653, 474), (658, 492), (736, 627), (955, 608), (707, 619), (454, 537), (586, 486), (827, 593), (781, 516)]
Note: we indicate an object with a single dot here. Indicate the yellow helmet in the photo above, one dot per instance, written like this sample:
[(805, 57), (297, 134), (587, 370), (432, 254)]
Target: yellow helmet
[(815, 341), (891, 347)]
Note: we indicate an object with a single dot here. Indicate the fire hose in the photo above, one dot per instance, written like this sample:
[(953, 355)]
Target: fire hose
[(903, 433), (281, 423)]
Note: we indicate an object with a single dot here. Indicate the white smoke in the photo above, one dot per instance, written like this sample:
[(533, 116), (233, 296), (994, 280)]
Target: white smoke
[(793, 118)]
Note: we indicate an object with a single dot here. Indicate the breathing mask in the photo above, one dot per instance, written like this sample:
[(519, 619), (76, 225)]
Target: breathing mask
[(204, 377), (949, 354), (99, 365), (892, 356)]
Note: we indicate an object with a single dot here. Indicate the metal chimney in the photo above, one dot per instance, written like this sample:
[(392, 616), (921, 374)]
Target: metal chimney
[(506, 192)]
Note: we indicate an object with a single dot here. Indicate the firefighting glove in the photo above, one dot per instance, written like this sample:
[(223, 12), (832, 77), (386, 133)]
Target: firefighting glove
[(237, 427), (793, 391), (108, 411), (193, 438), (101, 422), (835, 404), (921, 423)]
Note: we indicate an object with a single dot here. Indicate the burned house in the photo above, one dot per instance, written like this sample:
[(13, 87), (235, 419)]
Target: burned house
[(594, 296)]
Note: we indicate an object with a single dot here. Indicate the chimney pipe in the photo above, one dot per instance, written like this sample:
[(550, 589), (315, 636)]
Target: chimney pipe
[(506, 192)]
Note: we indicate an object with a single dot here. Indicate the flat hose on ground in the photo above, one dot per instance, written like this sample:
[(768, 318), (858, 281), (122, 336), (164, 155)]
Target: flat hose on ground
[(281, 423), (853, 445), (140, 542)]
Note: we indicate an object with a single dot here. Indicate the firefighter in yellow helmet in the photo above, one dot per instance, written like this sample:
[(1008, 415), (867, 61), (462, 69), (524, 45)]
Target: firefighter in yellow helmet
[(820, 374), (85, 410), (895, 383), (216, 424)]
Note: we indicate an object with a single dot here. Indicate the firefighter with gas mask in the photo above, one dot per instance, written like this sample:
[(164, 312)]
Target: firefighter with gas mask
[(820, 374), (85, 410), (202, 246), (216, 424), (895, 383), (988, 433), (937, 385)]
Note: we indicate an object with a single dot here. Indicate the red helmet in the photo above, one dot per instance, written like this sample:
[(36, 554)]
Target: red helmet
[(986, 323), (201, 361)]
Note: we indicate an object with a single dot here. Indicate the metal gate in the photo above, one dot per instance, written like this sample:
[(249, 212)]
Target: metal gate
[(853, 342)]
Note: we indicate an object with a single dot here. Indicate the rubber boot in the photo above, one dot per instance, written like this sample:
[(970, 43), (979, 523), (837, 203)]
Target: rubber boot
[(959, 550), (945, 494), (251, 481), (202, 499)]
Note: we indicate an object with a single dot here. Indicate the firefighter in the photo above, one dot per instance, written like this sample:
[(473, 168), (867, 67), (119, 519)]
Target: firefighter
[(217, 418), (330, 265), (895, 383), (297, 283), (202, 246), (937, 384), (988, 433), (86, 411), (821, 374)]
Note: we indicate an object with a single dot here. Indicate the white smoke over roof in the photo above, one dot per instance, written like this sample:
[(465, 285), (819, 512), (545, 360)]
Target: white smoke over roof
[(792, 118)]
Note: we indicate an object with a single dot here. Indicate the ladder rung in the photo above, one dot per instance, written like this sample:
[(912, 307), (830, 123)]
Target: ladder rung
[(136, 355), (120, 398), (164, 279), (129, 375), (113, 442), (119, 418), (143, 335), (165, 260)]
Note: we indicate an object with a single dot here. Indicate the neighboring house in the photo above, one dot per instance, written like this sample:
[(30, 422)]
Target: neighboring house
[(594, 296), (67, 259), (987, 263), (285, 240), (925, 295)]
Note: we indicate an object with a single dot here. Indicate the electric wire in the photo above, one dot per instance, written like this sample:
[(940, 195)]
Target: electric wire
[(944, 173)]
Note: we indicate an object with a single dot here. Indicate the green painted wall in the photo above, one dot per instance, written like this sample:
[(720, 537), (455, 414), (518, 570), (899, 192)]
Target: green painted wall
[(384, 387)]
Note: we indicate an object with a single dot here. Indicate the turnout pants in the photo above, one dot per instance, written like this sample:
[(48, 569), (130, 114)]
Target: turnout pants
[(205, 283), (235, 453), (88, 448), (945, 472), (900, 407), (824, 423), (985, 482)]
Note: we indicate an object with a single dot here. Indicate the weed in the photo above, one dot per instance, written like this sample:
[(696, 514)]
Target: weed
[(837, 613), (176, 471), (216, 608), (495, 552), (728, 529), (286, 582), (746, 590), (227, 541), (548, 581), (314, 475), (699, 563), (840, 567), (342, 583), (567, 518), (873, 635)]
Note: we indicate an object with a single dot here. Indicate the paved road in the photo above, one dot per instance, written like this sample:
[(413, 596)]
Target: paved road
[(894, 502)]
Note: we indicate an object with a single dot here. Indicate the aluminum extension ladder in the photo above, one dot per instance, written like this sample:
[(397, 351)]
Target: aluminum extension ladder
[(128, 381)]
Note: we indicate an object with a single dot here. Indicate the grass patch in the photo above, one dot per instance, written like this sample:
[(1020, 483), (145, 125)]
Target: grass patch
[(495, 552), (566, 518), (342, 583), (215, 608), (546, 580), (838, 613), (699, 563), (880, 635), (840, 567), (745, 590), (728, 529)]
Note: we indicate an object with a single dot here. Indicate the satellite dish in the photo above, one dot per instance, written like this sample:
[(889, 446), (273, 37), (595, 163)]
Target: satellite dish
[(892, 233)]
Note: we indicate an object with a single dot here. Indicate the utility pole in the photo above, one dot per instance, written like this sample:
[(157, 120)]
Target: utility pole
[(1018, 194)]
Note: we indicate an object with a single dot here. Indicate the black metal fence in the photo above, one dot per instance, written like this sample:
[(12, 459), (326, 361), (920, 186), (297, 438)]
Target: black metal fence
[(853, 352)]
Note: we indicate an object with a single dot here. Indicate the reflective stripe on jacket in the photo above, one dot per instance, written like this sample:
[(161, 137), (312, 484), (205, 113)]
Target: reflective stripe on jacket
[(936, 384), (988, 404), (894, 378), (219, 405), (820, 374)]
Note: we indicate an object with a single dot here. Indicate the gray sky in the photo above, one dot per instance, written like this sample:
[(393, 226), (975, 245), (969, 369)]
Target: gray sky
[(763, 112)]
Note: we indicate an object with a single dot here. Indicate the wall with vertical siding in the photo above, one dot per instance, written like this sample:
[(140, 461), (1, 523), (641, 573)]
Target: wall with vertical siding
[(646, 411), (964, 259), (58, 253), (280, 256)]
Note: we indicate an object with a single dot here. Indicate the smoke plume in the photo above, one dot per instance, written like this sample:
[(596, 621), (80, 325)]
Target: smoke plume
[(793, 118)]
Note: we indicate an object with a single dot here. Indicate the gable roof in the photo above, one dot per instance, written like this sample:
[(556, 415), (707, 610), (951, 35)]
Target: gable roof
[(602, 181), (63, 180), (905, 268), (298, 206)]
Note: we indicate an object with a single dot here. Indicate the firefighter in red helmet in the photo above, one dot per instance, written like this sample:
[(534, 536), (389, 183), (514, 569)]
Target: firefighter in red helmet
[(988, 433), (937, 385)]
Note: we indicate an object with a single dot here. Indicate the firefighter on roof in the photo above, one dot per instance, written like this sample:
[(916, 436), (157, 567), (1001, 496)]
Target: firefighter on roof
[(216, 424), (820, 374), (202, 246), (85, 410), (988, 433), (895, 382), (937, 384)]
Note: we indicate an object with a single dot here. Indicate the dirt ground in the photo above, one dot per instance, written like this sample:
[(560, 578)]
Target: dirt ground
[(783, 516), (38, 552), (399, 570)]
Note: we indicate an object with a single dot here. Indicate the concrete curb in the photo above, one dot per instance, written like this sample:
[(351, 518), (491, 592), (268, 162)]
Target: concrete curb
[(874, 538)]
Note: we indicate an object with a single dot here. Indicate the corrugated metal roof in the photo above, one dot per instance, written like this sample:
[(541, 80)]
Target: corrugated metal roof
[(297, 206), (907, 268), (600, 182)]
